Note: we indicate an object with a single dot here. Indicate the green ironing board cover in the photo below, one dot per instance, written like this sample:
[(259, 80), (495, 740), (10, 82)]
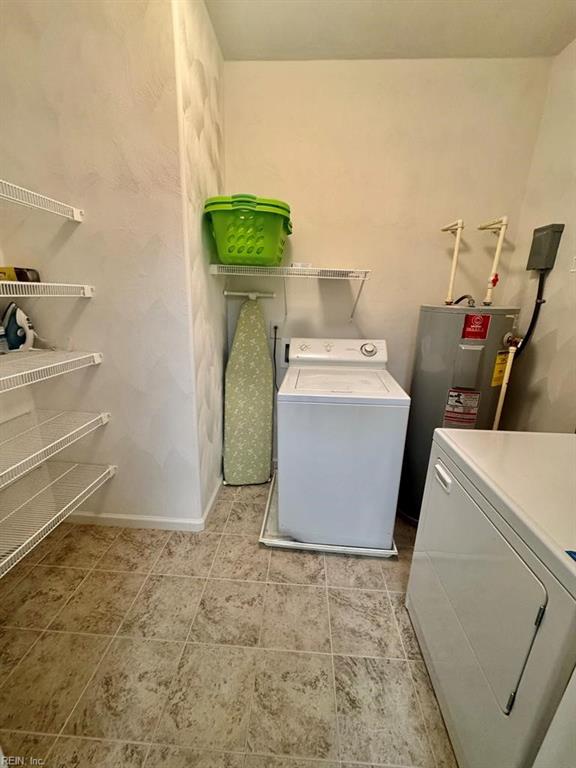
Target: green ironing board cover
[(248, 402)]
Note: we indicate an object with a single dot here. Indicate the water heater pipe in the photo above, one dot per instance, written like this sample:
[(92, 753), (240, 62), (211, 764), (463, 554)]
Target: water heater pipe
[(456, 228), (498, 226), (504, 387)]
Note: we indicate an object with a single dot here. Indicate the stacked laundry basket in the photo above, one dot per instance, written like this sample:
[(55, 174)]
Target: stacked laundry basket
[(248, 229)]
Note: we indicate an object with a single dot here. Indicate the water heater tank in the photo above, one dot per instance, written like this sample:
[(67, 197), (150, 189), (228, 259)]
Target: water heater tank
[(458, 370)]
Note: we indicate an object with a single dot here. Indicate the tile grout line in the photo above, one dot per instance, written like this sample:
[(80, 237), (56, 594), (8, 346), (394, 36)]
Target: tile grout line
[(87, 572), (408, 663), (222, 645), (238, 753), (336, 724), (179, 661), (177, 665), (113, 740), (209, 530), (395, 618), (43, 564), (266, 595), (393, 611), (326, 762), (421, 709), (105, 651), (253, 692), (383, 576), (269, 565), (224, 578), (89, 634), (13, 587)]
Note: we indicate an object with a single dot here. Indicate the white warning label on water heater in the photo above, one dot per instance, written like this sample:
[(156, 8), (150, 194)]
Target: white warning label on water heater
[(461, 411)]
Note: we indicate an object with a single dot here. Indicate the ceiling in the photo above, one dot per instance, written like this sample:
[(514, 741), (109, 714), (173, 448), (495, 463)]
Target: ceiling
[(391, 29)]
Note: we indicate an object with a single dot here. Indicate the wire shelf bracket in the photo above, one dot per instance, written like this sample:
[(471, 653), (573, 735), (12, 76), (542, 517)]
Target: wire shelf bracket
[(20, 369), (34, 437), (17, 289), (33, 506), (30, 199)]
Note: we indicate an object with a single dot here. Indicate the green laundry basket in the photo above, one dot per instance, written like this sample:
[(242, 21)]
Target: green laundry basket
[(249, 230)]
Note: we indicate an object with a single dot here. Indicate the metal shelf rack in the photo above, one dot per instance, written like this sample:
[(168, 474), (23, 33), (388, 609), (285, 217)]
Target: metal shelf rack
[(318, 273), (31, 439), (17, 289), (315, 273), (20, 369), (34, 505), (30, 199), (36, 494)]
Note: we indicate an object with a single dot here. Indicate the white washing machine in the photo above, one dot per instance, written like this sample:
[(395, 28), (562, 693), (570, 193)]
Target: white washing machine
[(492, 592), (341, 428)]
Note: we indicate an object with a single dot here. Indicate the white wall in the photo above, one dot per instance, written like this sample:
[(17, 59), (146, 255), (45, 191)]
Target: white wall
[(542, 395), (199, 69), (374, 157), (90, 115)]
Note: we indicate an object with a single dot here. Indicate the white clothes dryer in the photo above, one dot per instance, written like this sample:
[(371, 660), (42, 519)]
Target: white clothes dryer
[(492, 593)]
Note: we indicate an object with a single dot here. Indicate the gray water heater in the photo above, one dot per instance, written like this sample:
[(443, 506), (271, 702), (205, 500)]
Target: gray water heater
[(460, 361)]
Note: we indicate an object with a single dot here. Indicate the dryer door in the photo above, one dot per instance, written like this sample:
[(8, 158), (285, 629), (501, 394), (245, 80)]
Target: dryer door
[(497, 599)]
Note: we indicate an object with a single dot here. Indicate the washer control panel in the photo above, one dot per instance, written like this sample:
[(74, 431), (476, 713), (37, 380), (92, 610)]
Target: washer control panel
[(353, 352)]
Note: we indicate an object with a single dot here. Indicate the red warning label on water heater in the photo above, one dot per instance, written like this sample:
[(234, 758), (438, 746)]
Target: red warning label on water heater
[(475, 326), (461, 409)]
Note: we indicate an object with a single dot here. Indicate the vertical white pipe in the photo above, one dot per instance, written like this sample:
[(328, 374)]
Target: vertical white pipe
[(456, 228), (450, 295), (493, 279), (504, 387)]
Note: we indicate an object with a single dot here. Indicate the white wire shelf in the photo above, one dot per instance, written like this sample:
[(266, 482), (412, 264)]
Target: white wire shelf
[(30, 199), (31, 439), (20, 369), (34, 505), (17, 289), (319, 273)]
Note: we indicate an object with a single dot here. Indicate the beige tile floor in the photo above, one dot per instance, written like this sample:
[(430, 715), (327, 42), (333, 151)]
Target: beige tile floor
[(131, 648)]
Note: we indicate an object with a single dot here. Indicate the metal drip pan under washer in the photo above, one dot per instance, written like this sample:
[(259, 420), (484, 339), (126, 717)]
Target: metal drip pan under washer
[(271, 536)]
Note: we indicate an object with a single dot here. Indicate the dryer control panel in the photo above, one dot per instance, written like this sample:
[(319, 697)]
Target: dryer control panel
[(352, 352)]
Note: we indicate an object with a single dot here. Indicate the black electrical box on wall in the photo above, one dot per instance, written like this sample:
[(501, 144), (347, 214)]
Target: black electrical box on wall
[(545, 242)]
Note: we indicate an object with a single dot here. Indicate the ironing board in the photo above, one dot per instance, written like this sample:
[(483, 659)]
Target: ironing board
[(248, 401)]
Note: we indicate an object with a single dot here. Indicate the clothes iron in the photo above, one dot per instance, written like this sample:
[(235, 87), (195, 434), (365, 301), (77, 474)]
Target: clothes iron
[(18, 328)]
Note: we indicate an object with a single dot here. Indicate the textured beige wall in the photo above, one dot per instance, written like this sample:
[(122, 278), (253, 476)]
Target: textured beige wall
[(89, 114), (542, 395), (199, 70), (374, 157)]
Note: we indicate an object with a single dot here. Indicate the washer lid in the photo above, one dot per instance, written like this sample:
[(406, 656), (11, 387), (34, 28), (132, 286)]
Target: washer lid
[(338, 384), (342, 380)]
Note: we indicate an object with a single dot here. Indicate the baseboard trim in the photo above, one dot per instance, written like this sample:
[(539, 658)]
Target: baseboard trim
[(212, 501), (137, 521)]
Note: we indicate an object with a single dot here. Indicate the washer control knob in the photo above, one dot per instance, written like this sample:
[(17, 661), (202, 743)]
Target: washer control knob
[(368, 350), (304, 347), (328, 347)]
